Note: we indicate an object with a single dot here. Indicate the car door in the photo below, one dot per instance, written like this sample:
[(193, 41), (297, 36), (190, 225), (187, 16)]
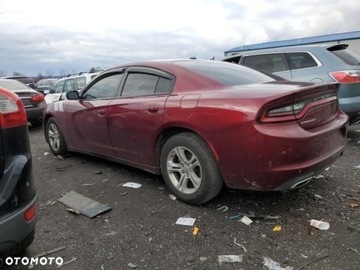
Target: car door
[(87, 118), (136, 117)]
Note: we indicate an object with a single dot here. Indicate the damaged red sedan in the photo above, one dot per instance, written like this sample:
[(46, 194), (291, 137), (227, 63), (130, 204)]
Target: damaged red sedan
[(203, 124)]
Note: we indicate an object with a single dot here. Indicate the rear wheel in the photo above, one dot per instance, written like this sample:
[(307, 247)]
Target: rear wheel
[(190, 169), (55, 138)]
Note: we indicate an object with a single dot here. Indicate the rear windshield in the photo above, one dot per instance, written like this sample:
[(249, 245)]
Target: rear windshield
[(348, 57), (227, 73), (12, 85)]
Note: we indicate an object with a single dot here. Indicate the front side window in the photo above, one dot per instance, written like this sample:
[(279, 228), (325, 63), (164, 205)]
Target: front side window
[(266, 62), (81, 82), (59, 87), (299, 60), (105, 88)]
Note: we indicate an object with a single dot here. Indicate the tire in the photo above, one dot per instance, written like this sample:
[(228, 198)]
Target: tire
[(19, 248), (55, 138), (189, 169)]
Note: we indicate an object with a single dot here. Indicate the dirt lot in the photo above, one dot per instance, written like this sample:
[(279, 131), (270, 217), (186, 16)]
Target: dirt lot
[(140, 231)]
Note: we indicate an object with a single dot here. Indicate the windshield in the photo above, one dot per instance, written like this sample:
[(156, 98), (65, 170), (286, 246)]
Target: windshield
[(227, 73), (13, 85)]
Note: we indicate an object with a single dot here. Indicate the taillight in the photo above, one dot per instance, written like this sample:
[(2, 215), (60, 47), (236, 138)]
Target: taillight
[(12, 111), (293, 111), (349, 76), (30, 213), (37, 97)]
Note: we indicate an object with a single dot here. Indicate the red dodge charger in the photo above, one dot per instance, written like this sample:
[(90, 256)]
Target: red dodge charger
[(202, 124)]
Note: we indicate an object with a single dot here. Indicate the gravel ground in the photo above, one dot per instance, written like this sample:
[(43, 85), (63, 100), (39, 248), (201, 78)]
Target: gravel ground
[(140, 232)]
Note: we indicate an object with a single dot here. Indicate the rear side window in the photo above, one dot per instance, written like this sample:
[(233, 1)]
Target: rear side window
[(267, 62), (347, 57), (298, 60), (139, 84)]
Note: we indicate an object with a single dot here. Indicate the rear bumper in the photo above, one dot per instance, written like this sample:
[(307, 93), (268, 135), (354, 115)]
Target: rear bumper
[(277, 156), (14, 228)]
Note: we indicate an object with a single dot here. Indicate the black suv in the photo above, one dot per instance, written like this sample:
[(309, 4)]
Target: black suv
[(18, 197)]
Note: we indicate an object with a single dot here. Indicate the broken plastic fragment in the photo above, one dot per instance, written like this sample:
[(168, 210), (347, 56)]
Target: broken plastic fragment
[(318, 224), (186, 221), (132, 185), (272, 265), (277, 228), (173, 197), (354, 205), (230, 258)]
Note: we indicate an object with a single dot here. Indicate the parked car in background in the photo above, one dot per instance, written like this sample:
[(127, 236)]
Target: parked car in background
[(71, 83), (46, 86), (312, 63), (25, 80), (33, 101), (202, 124), (18, 209)]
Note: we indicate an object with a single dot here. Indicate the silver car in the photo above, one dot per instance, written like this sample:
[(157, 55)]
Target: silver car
[(312, 63)]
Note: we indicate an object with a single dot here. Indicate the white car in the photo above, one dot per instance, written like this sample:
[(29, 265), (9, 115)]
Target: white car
[(71, 83)]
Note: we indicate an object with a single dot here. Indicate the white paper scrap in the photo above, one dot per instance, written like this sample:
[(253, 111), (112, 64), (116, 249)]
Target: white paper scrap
[(186, 221), (246, 220), (132, 185), (230, 258)]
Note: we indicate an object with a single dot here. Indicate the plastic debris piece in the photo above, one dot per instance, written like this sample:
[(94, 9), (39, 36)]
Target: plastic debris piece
[(83, 205), (132, 185), (319, 176), (354, 205), (230, 259), (105, 180), (186, 221), (124, 193), (236, 216), (173, 197), (46, 153), (65, 263), (277, 228), (272, 265), (195, 230), (87, 184), (223, 208), (131, 265), (318, 224), (246, 220), (240, 245)]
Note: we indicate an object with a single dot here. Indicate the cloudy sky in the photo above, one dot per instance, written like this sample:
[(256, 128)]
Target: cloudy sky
[(56, 37)]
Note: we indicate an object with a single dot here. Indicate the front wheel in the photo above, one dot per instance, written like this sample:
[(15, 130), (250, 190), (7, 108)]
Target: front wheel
[(190, 169), (55, 138)]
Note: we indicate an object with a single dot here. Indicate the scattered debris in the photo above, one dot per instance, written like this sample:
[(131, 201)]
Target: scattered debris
[(277, 228), (246, 220), (230, 258), (105, 180), (236, 216), (59, 157), (354, 205), (223, 208), (355, 250), (60, 169), (87, 184), (319, 176), (161, 188), (272, 265), (186, 221), (131, 185), (340, 196), (312, 261), (46, 153), (83, 205), (124, 193), (65, 263), (203, 259), (195, 230), (318, 224), (50, 252), (173, 197), (357, 167), (240, 245), (131, 265)]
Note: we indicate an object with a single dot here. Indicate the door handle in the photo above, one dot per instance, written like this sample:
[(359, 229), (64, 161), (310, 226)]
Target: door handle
[(153, 109), (101, 113)]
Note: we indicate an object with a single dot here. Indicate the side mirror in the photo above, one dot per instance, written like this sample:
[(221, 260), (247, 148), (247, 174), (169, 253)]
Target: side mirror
[(72, 95)]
